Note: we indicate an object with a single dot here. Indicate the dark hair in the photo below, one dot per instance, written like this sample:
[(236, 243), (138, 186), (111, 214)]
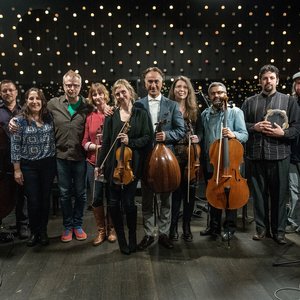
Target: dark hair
[(7, 81), (153, 69), (268, 68), (44, 113), (190, 102)]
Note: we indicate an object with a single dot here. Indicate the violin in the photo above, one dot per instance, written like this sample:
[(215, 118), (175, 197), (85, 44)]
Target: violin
[(227, 189), (163, 171), (192, 170), (123, 173)]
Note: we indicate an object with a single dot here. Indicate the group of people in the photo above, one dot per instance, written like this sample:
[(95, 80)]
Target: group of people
[(86, 140)]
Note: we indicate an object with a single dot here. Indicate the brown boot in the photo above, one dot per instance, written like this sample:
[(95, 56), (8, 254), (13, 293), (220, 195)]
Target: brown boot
[(100, 222), (111, 233)]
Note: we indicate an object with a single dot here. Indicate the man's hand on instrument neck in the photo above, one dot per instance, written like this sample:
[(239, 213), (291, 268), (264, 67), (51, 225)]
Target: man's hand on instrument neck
[(226, 132)]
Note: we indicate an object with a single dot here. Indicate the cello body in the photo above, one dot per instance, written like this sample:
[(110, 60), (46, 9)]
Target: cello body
[(230, 178)]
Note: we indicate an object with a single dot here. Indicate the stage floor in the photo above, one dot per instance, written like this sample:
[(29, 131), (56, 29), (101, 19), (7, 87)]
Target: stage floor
[(205, 269)]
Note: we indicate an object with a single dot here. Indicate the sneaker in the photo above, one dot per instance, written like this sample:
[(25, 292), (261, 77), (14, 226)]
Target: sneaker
[(80, 235), (67, 236), (291, 228)]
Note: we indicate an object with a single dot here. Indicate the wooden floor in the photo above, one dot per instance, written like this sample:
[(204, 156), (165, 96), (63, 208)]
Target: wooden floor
[(205, 269)]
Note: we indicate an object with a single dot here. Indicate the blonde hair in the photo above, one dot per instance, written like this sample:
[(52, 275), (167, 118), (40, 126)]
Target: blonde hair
[(72, 74), (97, 87), (127, 85)]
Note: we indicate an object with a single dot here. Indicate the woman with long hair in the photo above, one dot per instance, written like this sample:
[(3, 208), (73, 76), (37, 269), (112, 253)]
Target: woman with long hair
[(183, 93), (130, 142), (33, 157)]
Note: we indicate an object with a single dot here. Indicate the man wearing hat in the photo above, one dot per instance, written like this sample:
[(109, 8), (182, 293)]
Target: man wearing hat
[(294, 172)]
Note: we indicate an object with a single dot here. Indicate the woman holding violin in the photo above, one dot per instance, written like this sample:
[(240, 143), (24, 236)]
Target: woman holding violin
[(187, 152), (126, 133), (98, 97), (212, 121)]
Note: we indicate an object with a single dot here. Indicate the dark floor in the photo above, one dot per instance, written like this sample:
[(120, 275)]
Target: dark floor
[(204, 269)]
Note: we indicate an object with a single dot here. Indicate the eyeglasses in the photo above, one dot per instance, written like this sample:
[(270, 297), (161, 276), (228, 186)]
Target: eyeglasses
[(76, 86)]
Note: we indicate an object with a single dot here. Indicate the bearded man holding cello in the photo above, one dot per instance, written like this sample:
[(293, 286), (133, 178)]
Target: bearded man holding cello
[(214, 129)]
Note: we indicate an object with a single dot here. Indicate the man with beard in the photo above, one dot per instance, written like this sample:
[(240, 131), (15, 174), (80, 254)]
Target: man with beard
[(212, 119), (268, 153), (8, 109)]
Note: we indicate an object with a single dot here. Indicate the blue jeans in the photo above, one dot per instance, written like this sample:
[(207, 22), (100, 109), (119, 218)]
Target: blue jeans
[(72, 182), (38, 180)]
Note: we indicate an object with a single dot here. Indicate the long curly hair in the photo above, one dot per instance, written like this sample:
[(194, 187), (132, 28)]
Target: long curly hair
[(191, 107), (43, 114)]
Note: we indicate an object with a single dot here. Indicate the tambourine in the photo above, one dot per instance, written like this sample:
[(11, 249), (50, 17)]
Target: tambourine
[(277, 116)]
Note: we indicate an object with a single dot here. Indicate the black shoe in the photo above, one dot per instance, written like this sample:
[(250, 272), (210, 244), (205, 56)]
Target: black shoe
[(261, 234), (165, 241), (33, 239), (227, 236), (23, 233), (132, 242), (187, 234), (44, 240), (280, 239), (174, 234), (145, 242), (209, 231)]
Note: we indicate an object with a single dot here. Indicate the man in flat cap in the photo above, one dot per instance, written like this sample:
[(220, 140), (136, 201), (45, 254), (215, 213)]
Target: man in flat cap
[(294, 172)]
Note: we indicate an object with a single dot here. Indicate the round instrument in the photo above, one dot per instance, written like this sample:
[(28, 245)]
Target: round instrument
[(163, 171), (277, 116)]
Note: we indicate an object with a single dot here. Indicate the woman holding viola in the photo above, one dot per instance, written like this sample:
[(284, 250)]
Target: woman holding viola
[(126, 133), (98, 97), (183, 92)]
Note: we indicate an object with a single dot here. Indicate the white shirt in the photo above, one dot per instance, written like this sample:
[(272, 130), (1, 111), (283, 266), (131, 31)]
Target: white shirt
[(154, 106)]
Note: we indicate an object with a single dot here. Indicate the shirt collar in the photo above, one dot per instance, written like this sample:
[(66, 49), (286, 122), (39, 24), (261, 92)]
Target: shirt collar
[(158, 98)]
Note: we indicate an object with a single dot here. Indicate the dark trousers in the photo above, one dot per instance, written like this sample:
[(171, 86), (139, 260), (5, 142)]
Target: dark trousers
[(269, 179), (38, 180), (188, 204), (229, 223)]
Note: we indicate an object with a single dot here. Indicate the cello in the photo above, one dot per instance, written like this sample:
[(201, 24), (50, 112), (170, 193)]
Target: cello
[(163, 172), (227, 189)]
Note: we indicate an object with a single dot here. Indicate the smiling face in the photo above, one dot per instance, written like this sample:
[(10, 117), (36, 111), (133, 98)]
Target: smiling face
[(34, 103), (9, 93), (216, 95), (122, 95), (98, 97), (72, 86), (153, 83), (268, 82), (181, 90)]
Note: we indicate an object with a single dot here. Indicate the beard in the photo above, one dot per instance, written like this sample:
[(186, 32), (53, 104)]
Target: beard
[(217, 104)]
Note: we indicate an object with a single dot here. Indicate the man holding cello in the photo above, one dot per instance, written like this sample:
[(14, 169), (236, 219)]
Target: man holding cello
[(214, 129)]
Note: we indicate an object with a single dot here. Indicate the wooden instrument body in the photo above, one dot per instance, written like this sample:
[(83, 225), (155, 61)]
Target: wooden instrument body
[(163, 171), (229, 177)]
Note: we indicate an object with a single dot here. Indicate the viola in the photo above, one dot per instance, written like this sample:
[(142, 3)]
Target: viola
[(162, 170), (192, 170), (227, 189), (123, 173)]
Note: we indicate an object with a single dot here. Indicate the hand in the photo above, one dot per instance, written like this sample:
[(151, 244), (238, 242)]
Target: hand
[(19, 177), (97, 172), (276, 131), (226, 132), (194, 139), (124, 138), (12, 126), (160, 136), (260, 126), (108, 110)]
